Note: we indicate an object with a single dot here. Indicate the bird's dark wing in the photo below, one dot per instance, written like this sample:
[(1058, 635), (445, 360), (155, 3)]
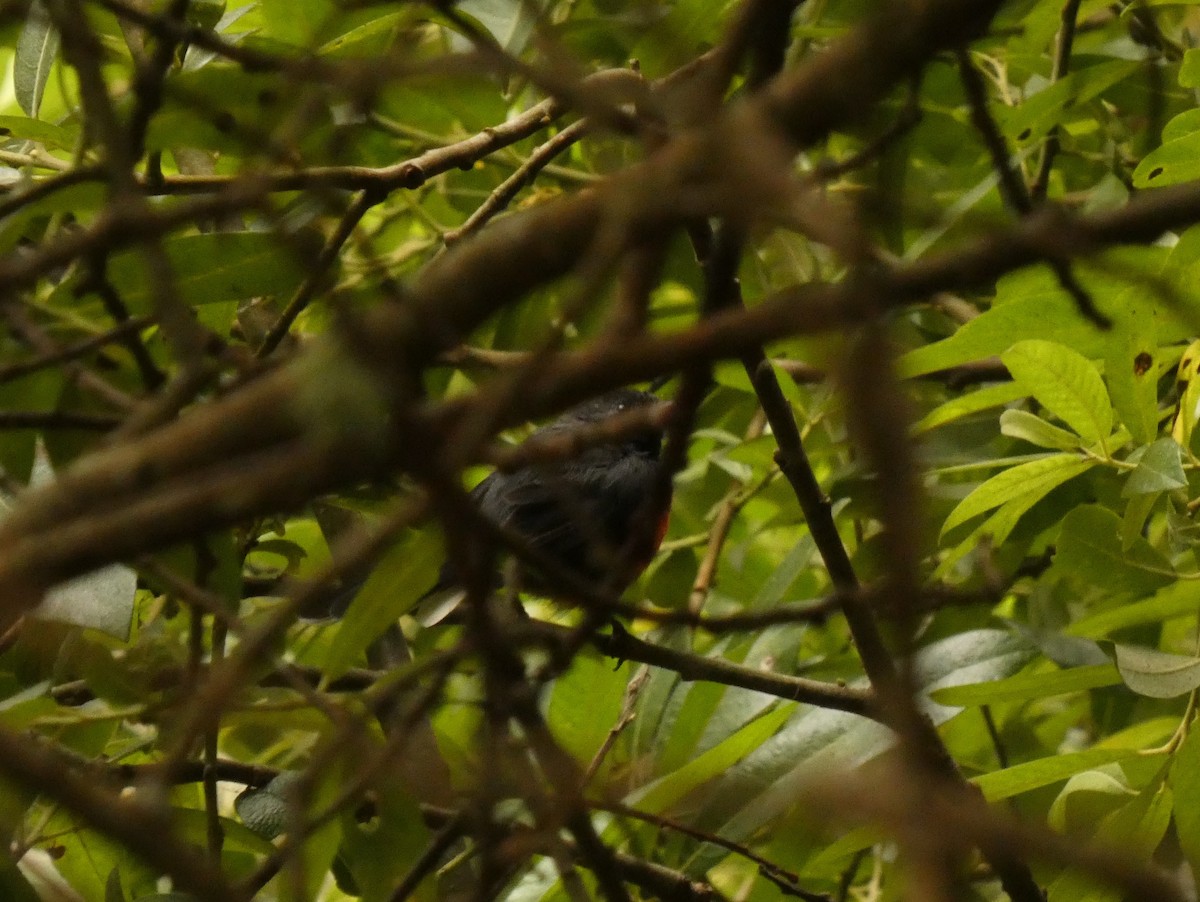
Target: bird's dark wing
[(580, 512)]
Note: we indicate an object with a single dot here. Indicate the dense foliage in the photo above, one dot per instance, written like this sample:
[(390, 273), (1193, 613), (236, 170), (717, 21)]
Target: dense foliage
[(281, 279)]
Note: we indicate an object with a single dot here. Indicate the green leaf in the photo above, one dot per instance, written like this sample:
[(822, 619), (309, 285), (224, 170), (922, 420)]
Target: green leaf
[(1037, 115), (1186, 122), (972, 402), (585, 704), (378, 851), (666, 791), (1049, 313), (1131, 367), (211, 267), (1159, 469), (1012, 781), (112, 889), (1030, 480), (761, 787), (1185, 781), (966, 658), (510, 22), (1157, 674), (1136, 829), (396, 584), (1026, 686), (1136, 513), (1178, 599), (1189, 69), (35, 130), (996, 528), (1022, 424), (1089, 797), (1089, 548), (37, 49), (298, 22), (1030, 304), (1170, 163), (1064, 382)]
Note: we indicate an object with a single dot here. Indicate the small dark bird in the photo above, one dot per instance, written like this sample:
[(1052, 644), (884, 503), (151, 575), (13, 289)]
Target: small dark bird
[(590, 514)]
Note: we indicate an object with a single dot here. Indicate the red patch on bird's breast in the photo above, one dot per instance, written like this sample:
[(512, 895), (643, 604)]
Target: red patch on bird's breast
[(663, 522)]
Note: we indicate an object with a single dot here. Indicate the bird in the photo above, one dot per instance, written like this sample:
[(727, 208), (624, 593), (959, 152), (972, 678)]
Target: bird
[(589, 514)]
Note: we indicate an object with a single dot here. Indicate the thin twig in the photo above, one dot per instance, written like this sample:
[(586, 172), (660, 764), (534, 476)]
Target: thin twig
[(504, 193), (316, 272), (619, 644), (1059, 69), (1016, 195)]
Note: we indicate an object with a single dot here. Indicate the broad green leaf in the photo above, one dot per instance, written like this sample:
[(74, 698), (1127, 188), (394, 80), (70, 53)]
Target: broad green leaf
[(37, 49), (1135, 830), (735, 707), (965, 405), (1031, 428), (113, 891), (1030, 304), (321, 846), (975, 656), (1026, 686), (36, 130), (1186, 122), (1041, 112), (1064, 382), (995, 528), (1159, 469), (761, 787), (1000, 785), (1132, 366), (1170, 163), (1189, 69), (1185, 782), (1157, 674), (1177, 599), (299, 22), (1090, 549), (817, 743), (210, 267), (1134, 520), (396, 584), (1089, 797), (585, 704), (378, 851), (666, 791), (1036, 478), (192, 824), (370, 39), (1012, 781), (1067, 651), (510, 22), (1049, 314), (784, 576)]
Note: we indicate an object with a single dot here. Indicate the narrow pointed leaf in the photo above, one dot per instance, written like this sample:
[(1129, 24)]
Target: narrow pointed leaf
[(37, 48), (1037, 477)]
